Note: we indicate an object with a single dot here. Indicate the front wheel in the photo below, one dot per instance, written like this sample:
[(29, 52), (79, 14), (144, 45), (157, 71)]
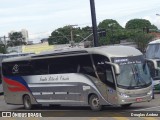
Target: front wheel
[(27, 102), (94, 103)]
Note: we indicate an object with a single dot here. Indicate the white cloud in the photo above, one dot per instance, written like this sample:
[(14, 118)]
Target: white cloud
[(44, 15), (154, 20)]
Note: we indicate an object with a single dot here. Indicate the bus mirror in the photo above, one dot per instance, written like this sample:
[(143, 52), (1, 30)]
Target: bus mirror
[(116, 67), (152, 62)]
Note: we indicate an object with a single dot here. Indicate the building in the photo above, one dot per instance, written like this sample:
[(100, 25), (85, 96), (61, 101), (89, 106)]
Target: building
[(156, 34), (34, 48)]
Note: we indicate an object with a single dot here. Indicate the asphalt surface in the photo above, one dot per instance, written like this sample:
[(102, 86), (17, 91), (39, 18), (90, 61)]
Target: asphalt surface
[(136, 111)]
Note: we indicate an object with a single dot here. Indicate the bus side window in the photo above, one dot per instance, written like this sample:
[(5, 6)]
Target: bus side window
[(40, 66), (21, 68), (104, 70), (61, 66), (151, 68), (101, 73), (109, 74), (86, 66), (87, 70)]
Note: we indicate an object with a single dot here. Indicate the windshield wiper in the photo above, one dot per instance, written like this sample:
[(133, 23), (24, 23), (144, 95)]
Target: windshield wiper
[(130, 84), (137, 78), (140, 78)]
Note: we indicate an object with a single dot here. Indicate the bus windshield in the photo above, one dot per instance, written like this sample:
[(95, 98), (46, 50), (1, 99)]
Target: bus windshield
[(134, 73), (156, 76), (153, 51)]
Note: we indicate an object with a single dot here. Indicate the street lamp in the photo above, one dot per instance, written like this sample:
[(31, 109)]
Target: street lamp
[(80, 36)]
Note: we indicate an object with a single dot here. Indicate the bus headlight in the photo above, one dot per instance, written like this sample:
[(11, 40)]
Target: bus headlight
[(123, 95), (150, 92)]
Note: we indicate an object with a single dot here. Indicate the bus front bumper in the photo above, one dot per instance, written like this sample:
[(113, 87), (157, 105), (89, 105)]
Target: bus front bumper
[(128, 100)]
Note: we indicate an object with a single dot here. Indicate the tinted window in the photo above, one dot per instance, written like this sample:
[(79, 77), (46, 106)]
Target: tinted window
[(40, 66), (62, 68), (21, 68), (72, 64), (104, 70)]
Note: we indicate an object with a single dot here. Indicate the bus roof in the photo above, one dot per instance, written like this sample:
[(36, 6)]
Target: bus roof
[(155, 42), (109, 51), (15, 54)]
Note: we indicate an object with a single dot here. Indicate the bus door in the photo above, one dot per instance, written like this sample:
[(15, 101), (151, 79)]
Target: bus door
[(105, 74), (111, 89)]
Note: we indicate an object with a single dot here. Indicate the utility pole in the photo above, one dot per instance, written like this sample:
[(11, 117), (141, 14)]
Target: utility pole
[(71, 26), (94, 22), (72, 41)]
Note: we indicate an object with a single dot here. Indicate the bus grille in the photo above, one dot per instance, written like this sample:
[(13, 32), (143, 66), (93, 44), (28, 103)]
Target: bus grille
[(138, 95)]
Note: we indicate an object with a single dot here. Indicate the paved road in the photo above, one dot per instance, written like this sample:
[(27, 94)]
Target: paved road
[(115, 113)]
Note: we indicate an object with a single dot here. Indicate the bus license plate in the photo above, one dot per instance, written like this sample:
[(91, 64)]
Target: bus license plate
[(139, 99)]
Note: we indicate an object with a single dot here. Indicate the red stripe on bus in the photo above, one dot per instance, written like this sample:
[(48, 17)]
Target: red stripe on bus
[(16, 86), (17, 89)]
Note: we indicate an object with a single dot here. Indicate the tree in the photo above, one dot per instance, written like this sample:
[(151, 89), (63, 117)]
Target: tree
[(63, 35), (142, 39), (3, 46), (3, 49), (107, 23), (153, 27), (16, 39), (113, 29), (138, 29), (139, 24)]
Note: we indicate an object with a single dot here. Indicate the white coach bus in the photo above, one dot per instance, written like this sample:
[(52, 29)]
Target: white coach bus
[(153, 60), (109, 75)]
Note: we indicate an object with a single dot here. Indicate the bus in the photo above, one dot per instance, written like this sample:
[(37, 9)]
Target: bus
[(153, 60), (11, 55), (95, 77)]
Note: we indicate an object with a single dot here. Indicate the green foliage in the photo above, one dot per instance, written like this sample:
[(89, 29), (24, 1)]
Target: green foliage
[(139, 24), (153, 27), (3, 49), (63, 35), (16, 39), (133, 31), (108, 23), (114, 32), (142, 39), (137, 29)]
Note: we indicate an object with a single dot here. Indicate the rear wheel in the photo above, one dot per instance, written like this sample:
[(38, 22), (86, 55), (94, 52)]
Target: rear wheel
[(95, 103), (27, 102)]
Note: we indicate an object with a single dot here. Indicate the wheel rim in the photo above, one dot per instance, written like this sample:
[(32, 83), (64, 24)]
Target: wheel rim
[(95, 102)]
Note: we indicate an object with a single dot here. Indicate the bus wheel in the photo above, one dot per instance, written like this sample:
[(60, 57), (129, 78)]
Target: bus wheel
[(27, 102), (126, 105), (94, 103)]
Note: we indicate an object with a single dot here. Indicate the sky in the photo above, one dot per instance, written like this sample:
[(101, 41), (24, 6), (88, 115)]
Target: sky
[(41, 17)]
